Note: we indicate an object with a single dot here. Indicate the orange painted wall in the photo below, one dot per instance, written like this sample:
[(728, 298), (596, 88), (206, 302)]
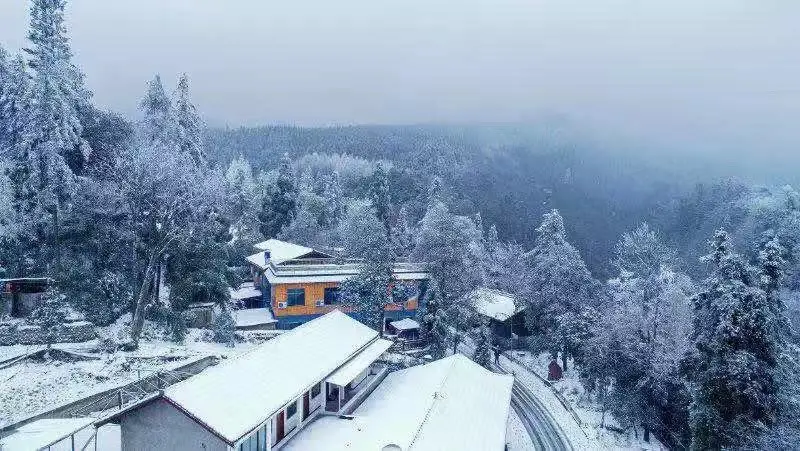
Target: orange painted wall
[(314, 292)]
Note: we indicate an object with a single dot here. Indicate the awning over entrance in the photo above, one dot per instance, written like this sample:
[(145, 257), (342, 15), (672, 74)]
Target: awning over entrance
[(362, 361)]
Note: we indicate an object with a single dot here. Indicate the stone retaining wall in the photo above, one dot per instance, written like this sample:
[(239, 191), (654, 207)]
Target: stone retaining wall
[(25, 334)]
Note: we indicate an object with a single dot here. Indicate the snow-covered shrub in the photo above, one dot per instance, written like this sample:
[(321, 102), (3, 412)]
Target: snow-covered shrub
[(224, 328)]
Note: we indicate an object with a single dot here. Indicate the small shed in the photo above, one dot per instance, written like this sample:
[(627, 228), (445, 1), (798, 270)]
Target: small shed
[(20, 296), (404, 328), (504, 312), (247, 296)]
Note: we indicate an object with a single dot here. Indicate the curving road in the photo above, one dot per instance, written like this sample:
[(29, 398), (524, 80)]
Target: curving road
[(545, 432), (543, 429)]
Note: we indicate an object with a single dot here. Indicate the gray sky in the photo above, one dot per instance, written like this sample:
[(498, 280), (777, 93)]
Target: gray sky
[(718, 74)]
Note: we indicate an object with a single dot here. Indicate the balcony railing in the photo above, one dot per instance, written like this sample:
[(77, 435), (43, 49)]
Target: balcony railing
[(334, 266)]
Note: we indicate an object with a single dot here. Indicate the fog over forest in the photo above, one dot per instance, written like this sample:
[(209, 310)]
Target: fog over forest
[(716, 80)]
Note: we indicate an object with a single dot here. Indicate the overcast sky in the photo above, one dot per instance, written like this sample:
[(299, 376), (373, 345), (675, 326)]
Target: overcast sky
[(709, 73)]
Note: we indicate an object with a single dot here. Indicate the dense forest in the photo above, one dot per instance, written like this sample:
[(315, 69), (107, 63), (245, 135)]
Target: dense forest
[(674, 297)]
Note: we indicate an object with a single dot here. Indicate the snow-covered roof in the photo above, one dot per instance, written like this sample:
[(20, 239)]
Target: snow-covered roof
[(43, 433), (494, 303), (353, 368), (236, 396), (405, 324), (245, 291), (253, 317), (451, 403), (281, 251), (326, 272)]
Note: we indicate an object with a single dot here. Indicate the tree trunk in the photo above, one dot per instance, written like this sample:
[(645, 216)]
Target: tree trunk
[(56, 240), (646, 433), (145, 291), (564, 360)]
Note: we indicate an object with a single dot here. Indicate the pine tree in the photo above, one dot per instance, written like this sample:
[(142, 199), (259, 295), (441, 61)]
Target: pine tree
[(483, 347), (225, 328), (379, 194), (368, 292), (732, 366), (557, 284), (159, 126), (445, 242), (50, 314), (334, 199), (190, 126), (401, 235), (279, 205), (52, 146)]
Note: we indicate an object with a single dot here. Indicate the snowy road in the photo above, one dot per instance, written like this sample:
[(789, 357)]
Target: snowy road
[(544, 430)]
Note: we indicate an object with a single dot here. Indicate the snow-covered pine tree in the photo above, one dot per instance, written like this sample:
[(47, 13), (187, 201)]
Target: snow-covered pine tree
[(159, 126), (190, 126), (483, 347), (367, 293), (445, 243), (558, 282), (379, 194), (732, 365), (402, 236), (52, 145), (334, 199), (279, 205), (224, 328), (50, 314)]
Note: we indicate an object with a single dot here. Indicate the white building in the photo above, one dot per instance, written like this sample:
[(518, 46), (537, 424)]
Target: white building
[(449, 404), (258, 400)]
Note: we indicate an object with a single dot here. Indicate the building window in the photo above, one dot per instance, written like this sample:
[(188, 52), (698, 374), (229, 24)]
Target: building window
[(295, 296), (291, 410), (332, 296), (256, 442), (315, 391)]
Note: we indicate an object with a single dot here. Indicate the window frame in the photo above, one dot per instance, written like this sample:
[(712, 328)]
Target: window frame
[(291, 410), (295, 291), (318, 388)]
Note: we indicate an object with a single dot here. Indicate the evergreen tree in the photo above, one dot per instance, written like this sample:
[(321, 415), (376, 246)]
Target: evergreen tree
[(445, 242), (379, 194), (279, 205), (14, 101), (52, 146), (225, 328), (159, 125), (368, 292), (483, 347), (732, 365), (334, 199), (401, 235), (190, 126), (50, 314), (58, 85), (558, 285)]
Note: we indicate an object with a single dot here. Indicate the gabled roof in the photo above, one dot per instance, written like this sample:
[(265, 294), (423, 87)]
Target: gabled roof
[(281, 251), (494, 303), (405, 324), (451, 403), (235, 397)]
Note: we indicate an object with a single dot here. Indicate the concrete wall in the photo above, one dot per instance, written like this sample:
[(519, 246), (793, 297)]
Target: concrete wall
[(161, 426)]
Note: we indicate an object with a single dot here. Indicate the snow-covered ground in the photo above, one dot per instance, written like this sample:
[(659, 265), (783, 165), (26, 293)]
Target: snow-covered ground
[(517, 437), (590, 414), (35, 385)]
